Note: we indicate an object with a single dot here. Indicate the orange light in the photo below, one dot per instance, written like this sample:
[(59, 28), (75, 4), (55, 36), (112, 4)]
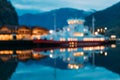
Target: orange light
[(78, 54)]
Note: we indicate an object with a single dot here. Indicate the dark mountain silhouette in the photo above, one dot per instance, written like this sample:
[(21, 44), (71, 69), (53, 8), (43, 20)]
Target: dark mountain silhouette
[(46, 19), (110, 62), (8, 15), (25, 11), (7, 69), (109, 17)]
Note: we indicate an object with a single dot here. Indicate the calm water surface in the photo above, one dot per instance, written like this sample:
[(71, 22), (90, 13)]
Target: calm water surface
[(83, 63)]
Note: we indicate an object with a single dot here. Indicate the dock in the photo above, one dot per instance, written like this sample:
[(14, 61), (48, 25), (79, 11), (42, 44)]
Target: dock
[(30, 43), (16, 43)]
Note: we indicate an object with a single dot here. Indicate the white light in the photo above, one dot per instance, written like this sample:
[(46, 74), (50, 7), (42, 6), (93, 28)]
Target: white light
[(68, 59), (96, 33), (77, 67), (50, 31), (68, 29), (105, 28), (101, 52), (85, 30), (85, 57), (106, 54), (51, 55)]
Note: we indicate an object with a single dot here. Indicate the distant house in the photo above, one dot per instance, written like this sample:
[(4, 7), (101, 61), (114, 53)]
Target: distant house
[(38, 31), (21, 32), (5, 33)]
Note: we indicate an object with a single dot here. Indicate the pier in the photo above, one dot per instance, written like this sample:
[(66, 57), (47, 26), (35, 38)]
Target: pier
[(31, 43)]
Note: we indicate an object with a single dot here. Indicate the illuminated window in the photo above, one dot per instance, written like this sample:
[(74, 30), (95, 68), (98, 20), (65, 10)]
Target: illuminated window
[(78, 34)]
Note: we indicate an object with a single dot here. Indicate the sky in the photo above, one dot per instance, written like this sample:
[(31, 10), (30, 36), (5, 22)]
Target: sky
[(46, 5)]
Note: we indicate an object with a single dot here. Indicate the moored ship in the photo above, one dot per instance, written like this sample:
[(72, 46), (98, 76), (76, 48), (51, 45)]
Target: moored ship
[(75, 34)]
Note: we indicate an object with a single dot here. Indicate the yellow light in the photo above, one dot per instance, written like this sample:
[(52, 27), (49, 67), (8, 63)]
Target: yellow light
[(113, 46), (98, 30), (77, 67), (69, 39), (78, 54), (102, 47), (71, 22), (70, 66), (102, 39), (35, 32), (113, 36), (51, 51), (94, 48), (6, 52), (62, 50), (36, 56), (78, 34), (69, 49), (91, 48), (36, 36)]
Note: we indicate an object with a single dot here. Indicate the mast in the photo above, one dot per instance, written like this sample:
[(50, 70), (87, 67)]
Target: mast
[(93, 60), (93, 24), (54, 21), (55, 71)]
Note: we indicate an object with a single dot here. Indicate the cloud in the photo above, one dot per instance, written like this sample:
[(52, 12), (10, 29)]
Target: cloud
[(26, 7), (46, 5), (19, 6)]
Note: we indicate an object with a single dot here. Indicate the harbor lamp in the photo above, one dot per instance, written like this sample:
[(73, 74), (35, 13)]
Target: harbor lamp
[(105, 28)]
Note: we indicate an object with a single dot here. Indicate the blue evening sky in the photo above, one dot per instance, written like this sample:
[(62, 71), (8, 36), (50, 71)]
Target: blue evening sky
[(46, 5)]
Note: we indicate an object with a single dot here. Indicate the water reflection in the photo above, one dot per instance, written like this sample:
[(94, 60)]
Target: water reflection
[(19, 55), (75, 57), (60, 58)]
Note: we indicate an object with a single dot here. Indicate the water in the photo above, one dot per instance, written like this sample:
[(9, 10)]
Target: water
[(83, 63)]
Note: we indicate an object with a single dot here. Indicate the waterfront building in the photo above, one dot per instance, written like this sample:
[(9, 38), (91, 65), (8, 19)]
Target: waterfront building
[(38, 31), (8, 32), (5, 33)]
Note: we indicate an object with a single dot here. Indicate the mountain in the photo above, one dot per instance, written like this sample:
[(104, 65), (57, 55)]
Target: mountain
[(111, 61), (25, 11), (109, 17), (46, 19), (8, 15), (7, 69)]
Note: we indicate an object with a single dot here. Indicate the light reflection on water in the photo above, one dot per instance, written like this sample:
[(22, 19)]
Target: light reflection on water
[(95, 62)]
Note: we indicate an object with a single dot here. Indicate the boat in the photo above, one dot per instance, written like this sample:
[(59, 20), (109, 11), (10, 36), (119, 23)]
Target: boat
[(75, 34)]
